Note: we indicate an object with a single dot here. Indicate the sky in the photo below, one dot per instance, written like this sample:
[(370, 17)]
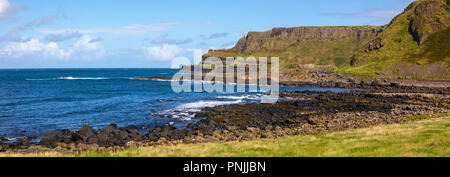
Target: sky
[(150, 34)]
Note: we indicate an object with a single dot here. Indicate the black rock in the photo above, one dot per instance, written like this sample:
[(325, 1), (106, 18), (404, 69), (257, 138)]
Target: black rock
[(152, 137), (393, 84), (76, 138), (86, 131), (66, 131), (352, 81), (51, 138), (190, 125), (110, 130), (31, 137), (66, 136), (3, 139), (123, 135), (23, 142)]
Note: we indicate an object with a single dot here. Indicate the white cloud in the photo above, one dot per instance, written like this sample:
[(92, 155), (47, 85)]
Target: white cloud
[(164, 52), (34, 46), (8, 9), (164, 40), (85, 47), (4, 5), (128, 29), (14, 33), (85, 43), (53, 49)]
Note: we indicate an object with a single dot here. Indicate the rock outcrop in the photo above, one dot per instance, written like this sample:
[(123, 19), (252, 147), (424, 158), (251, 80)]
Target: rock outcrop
[(419, 35), (429, 17), (414, 45), (278, 39)]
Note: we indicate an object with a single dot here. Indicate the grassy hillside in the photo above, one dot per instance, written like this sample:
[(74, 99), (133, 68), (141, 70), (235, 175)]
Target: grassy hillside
[(303, 45), (336, 52), (323, 52), (414, 45), (400, 45), (419, 138)]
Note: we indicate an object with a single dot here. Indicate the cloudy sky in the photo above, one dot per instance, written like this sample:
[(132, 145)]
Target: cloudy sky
[(146, 33)]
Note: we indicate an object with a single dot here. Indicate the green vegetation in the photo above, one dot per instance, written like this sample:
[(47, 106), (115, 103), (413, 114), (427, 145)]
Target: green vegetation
[(400, 45), (326, 50), (336, 52), (418, 37), (420, 117), (435, 49), (419, 138)]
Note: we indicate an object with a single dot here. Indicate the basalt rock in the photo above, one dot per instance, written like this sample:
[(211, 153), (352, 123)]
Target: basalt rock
[(165, 131), (429, 17), (280, 38), (375, 44), (314, 112), (51, 138), (86, 132)]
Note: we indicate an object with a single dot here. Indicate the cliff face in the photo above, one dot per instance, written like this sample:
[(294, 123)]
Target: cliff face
[(303, 45), (414, 45), (428, 17), (419, 36), (278, 39)]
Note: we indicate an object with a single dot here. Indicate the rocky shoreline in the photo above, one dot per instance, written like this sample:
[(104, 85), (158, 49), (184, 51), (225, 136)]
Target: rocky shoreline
[(310, 112)]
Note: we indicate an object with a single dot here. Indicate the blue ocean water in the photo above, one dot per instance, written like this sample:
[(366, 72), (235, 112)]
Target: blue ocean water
[(34, 101)]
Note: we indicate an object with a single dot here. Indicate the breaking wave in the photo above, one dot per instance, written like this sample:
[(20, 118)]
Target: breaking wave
[(76, 78)]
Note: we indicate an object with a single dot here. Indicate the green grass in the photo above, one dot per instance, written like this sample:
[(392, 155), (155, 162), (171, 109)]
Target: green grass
[(424, 138), (336, 52), (435, 49), (399, 46), (419, 117)]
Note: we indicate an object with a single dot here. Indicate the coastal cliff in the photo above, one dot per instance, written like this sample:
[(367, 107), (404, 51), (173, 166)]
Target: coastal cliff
[(414, 45), (278, 39), (303, 45)]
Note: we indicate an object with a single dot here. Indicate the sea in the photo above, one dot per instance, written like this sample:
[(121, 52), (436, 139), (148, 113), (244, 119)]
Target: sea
[(34, 101)]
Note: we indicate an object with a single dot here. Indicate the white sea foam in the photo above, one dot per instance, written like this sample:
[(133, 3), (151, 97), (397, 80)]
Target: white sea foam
[(195, 81), (75, 78), (81, 78), (248, 97), (187, 111), (232, 97), (197, 106)]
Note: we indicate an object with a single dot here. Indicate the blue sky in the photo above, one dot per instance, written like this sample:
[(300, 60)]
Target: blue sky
[(146, 33)]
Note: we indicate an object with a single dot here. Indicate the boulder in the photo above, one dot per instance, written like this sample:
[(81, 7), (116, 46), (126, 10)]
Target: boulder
[(110, 130), (86, 131), (394, 84), (76, 138), (31, 137), (3, 139), (51, 138)]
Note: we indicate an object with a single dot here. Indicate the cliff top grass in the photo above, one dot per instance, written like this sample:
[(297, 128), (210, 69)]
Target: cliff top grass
[(400, 45), (420, 35), (321, 52), (425, 138)]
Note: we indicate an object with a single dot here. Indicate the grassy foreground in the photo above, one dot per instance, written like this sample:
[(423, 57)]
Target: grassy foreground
[(420, 138)]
